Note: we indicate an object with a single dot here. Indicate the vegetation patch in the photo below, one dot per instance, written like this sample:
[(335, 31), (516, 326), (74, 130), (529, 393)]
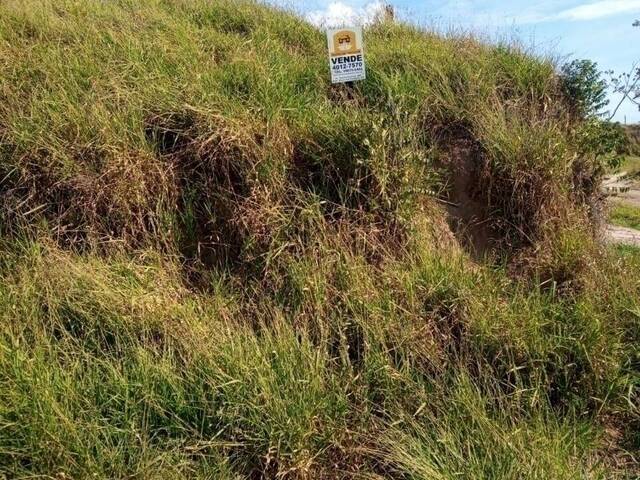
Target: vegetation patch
[(215, 264), (633, 132), (626, 216)]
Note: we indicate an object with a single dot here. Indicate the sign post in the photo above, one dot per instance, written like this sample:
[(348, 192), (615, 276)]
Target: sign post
[(346, 54)]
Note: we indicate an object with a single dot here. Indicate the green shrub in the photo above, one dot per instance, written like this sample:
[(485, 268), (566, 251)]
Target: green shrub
[(585, 88)]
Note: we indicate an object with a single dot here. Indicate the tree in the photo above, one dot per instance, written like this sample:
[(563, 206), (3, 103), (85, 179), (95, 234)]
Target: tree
[(585, 88), (586, 92), (627, 84)]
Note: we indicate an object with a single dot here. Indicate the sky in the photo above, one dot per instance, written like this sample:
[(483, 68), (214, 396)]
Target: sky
[(600, 30)]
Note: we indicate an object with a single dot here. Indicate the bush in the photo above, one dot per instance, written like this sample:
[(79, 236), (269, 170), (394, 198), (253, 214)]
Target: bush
[(585, 88)]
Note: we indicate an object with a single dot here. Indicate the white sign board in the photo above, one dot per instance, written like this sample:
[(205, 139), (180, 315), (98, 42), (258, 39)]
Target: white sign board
[(346, 54)]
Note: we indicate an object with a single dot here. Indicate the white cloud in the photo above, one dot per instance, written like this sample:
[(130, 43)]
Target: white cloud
[(343, 12), (339, 13), (603, 8), (539, 11)]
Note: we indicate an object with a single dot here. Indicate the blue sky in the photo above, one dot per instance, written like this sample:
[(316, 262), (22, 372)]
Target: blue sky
[(597, 29)]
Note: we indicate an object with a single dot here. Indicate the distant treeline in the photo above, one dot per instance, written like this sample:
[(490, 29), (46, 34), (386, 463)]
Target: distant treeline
[(633, 132)]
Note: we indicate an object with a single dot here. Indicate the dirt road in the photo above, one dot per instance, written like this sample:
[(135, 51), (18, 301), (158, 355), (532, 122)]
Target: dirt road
[(621, 235), (630, 196)]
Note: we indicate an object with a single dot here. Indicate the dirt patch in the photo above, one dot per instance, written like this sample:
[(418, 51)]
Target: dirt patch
[(467, 212), (630, 198), (492, 208), (467, 209), (622, 235)]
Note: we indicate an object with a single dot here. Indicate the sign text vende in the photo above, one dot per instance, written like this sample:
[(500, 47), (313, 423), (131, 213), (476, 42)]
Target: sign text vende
[(346, 55)]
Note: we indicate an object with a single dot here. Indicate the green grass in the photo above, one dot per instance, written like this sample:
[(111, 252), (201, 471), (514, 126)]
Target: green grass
[(227, 78), (629, 251), (625, 216), (631, 165), (214, 264), (112, 368)]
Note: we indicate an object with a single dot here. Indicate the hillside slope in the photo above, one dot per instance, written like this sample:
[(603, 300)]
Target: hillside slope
[(215, 264)]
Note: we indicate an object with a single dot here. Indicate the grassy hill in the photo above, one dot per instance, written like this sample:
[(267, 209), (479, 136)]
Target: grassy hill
[(215, 264)]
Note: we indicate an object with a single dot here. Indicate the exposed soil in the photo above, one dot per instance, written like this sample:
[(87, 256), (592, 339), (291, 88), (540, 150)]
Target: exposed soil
[(622, 235), (631, 198), (468, 212)]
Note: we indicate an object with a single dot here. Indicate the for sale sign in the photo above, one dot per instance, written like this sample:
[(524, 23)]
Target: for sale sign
[(346, 54)]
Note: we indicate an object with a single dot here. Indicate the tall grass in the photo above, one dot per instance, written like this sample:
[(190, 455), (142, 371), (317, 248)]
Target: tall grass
[(214, 264), (110, 368), (107, 105)]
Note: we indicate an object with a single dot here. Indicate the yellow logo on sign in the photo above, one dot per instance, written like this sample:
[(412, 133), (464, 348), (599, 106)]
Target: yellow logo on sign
[(345, 43)]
